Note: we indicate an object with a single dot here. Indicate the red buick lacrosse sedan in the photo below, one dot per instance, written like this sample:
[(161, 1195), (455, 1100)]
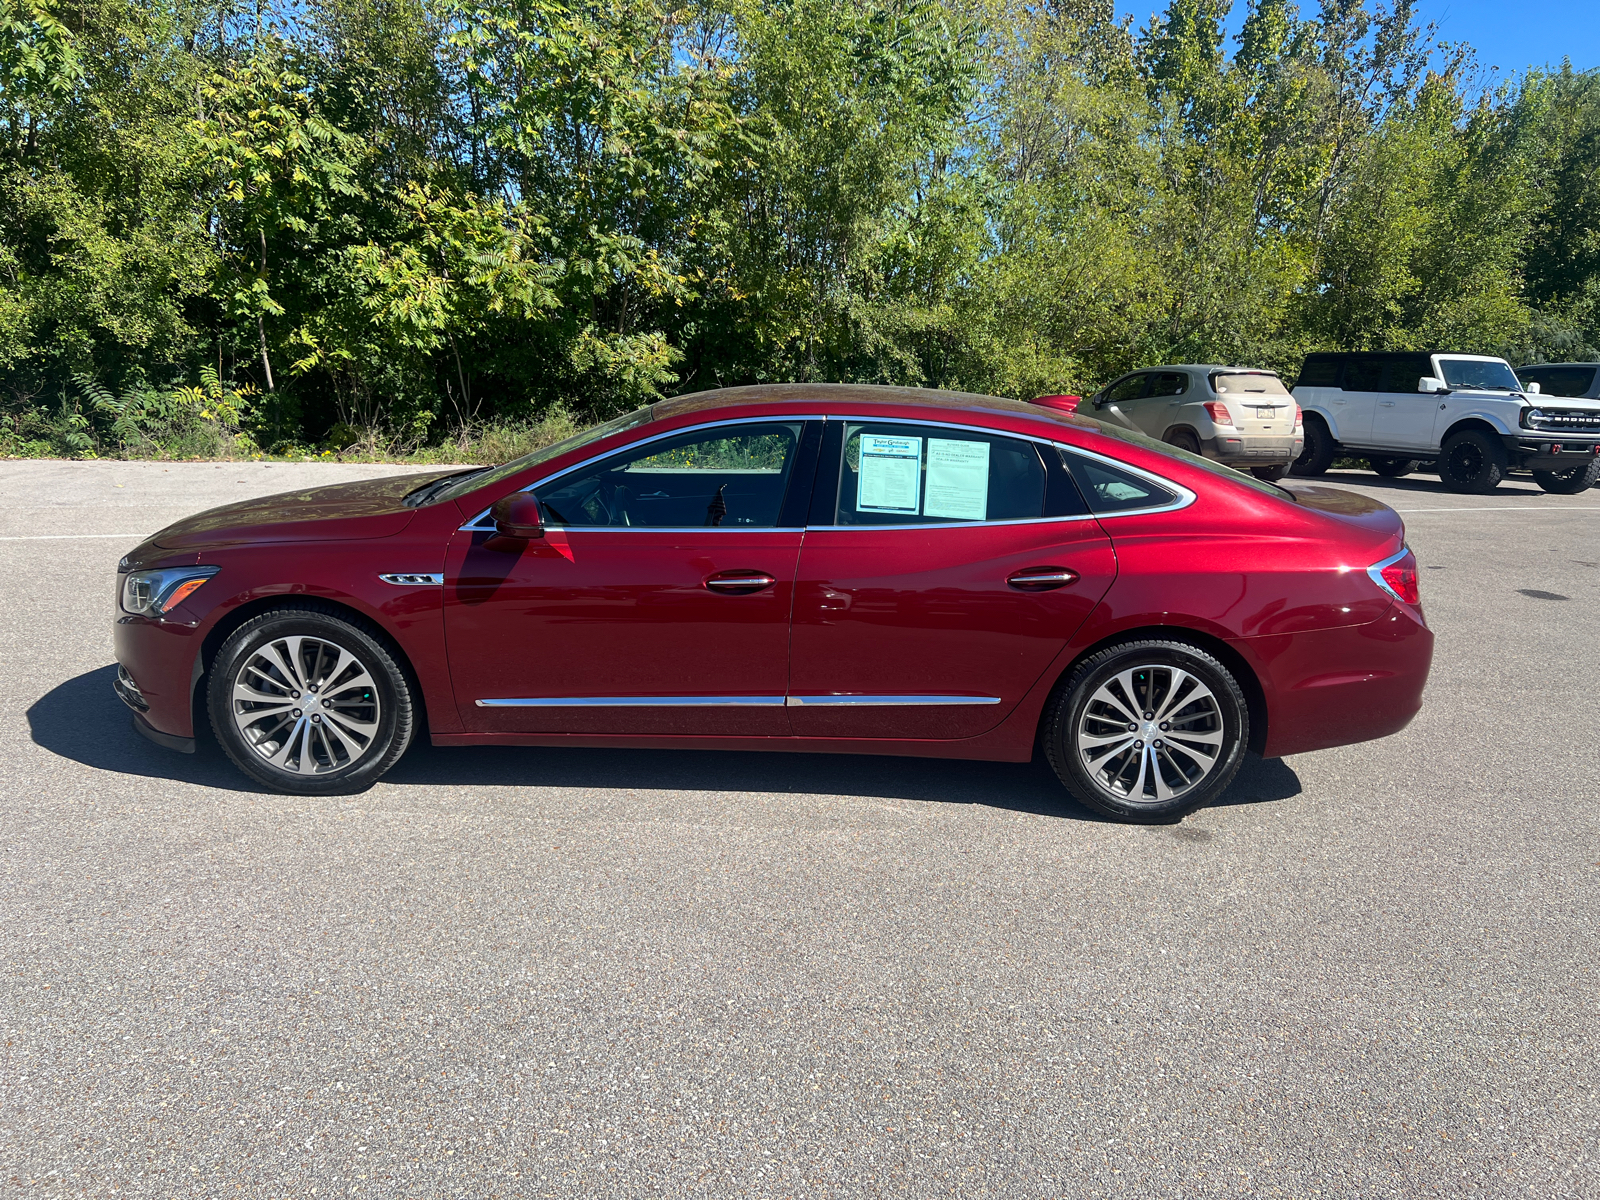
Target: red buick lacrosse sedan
[(836, 568)]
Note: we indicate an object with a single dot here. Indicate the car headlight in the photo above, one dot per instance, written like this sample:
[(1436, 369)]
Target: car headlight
[(152, 593)]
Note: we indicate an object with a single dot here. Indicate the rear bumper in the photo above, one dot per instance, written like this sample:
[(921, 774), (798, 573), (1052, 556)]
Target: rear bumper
[(1333, 687), (1244, 450)]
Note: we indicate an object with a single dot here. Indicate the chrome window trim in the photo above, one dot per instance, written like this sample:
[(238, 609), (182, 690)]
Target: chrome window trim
[(474, 526), (1185, 496), (411, 578), (633, 702), (876, 701)]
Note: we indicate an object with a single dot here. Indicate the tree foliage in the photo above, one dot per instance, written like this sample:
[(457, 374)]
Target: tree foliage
[(405, 218)]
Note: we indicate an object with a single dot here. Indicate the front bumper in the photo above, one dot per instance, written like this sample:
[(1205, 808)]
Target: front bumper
[(1535, 451), (157, 666), (1254, 451)]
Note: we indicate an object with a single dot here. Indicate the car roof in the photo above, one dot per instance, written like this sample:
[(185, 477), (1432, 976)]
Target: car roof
[(1402, 354), (835, 394), (1537, 366)]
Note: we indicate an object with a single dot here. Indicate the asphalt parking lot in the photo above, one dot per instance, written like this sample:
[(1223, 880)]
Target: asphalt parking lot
[(1371, 972)]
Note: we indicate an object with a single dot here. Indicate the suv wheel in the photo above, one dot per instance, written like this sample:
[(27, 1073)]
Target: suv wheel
[(309, 702), (1316, 456), (1183, 440), (1147, 732), (1393, 468), (1270, 474), (1473, 461), (1569, 482)]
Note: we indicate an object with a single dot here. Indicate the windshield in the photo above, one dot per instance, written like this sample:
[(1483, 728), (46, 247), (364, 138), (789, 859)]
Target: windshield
[(1216, 468), (463, 484), (1490, 374)]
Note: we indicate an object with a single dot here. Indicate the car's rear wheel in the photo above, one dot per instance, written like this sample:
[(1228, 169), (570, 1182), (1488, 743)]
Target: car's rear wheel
[(309, 702), (1569, 482), (1393, 468), (1473, 462), (1270, 474), (1183, 439), (1147, 732), (1316, 456)]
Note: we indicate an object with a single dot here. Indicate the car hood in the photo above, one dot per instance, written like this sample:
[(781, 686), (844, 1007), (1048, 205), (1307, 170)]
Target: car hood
[(1351, 508), (368, 508)]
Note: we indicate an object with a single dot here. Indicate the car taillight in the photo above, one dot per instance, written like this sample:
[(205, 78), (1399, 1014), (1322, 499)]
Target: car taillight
[(1218, 412), (1299, 423), (1397, 575)]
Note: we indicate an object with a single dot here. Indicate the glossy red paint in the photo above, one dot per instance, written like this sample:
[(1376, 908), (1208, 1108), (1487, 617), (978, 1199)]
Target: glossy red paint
[(1278, 588)]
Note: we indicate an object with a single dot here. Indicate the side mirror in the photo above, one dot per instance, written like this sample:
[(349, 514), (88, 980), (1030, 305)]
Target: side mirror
[(517, 516), (1429, 383), (1533, 389)]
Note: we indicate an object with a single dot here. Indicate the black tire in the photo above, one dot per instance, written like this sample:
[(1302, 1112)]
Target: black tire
[(1571, 481), (1183, 439), (364, 744), (1316, 456), (1473, 462), (1270, 474), (1094, 778), (1393, 468)]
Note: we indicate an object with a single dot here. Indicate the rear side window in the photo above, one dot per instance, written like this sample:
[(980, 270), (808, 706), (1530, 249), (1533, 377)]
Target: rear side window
[(1363, 373), (1112, 490), (1319, 370), (1168, 383), (931, 475), (1560, 381)]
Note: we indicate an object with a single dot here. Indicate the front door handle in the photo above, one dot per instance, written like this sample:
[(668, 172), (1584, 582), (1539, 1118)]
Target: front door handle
[(1042, 579), (739, 583), (1385, 403)]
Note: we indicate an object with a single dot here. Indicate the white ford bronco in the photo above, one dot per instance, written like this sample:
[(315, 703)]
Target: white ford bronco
[(1468, 413)]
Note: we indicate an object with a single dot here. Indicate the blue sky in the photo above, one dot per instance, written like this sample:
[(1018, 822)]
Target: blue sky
[(1509, 34)]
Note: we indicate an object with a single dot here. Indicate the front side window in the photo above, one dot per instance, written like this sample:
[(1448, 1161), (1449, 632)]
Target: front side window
[(927, 475), (1124, 390), (731, 476), (1489, 374)]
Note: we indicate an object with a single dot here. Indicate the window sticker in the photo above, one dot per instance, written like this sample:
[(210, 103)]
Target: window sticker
[(890, 478), (958, 480)]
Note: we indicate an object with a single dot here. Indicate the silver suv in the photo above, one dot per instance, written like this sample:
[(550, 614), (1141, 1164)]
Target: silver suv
[(1241, 417), (1468, 413)]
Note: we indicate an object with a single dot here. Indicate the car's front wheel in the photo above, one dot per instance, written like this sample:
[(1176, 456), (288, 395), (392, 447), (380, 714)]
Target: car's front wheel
[(307, 701), (1569, 482), (1472, 461), (1147, 732)]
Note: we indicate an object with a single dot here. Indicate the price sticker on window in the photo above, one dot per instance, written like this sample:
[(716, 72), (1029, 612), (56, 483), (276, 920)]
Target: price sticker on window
[(958, 480), (890, 477)]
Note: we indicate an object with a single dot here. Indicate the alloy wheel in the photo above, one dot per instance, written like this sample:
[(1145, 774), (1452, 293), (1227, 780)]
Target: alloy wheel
[(1151, 734), (308, 706)]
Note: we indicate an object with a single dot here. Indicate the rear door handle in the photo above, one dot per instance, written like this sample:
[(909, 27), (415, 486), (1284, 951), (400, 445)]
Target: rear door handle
[(739, 583), (1042, 579), (1385, 403)]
